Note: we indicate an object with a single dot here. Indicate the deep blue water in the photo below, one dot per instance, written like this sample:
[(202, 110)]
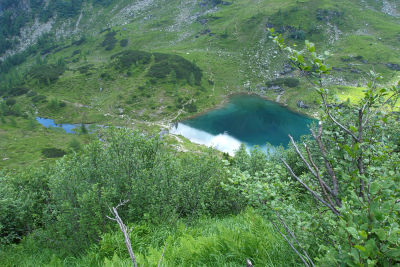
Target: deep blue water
[(245, 119)]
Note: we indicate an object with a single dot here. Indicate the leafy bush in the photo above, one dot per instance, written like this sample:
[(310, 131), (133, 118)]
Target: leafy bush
[(55, 104), (47, 73), (181, 68), (123, 42), (53, 152), (39, 99), (17, 91), (126, 59), (76, 52), (160, 185), (109, 40), (23, 196), (298, 35), (11, 101), (31, 94), (289, 82), (79, 42), (191, 107)]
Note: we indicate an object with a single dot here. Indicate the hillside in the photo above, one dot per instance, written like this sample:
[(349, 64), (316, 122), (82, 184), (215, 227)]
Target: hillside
[(117, 74), (225, 43)]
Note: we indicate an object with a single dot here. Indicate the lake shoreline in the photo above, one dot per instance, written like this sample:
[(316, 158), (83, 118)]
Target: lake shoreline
[(226, 100)]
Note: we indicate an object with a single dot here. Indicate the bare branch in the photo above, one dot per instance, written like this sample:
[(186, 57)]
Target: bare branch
[(301, 156), (324, 186), (162, 255), (294, 237), (328, 165), (248, 263), (123, 228), (309, 189), (291, 245)]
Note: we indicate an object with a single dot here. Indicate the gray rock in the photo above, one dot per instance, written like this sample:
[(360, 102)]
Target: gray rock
[(163, 133), (393, 66), (301, 104)]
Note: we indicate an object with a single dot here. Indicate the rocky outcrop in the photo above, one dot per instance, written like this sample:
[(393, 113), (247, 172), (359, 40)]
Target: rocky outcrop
[(301, 104)]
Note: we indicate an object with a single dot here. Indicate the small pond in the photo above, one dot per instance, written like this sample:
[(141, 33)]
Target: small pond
[(68, 128), (245, 119)]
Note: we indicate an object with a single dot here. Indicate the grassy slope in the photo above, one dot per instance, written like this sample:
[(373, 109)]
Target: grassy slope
[(237, 57)]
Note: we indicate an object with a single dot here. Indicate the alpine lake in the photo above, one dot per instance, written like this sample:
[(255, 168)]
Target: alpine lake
[(245, 119)]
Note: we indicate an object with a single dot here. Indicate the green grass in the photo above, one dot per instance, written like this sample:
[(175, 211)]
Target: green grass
[(238, 57), (22, 140), (206, 242)]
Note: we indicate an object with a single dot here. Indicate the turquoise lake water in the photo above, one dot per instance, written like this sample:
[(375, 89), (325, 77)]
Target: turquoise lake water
[(245, 119)]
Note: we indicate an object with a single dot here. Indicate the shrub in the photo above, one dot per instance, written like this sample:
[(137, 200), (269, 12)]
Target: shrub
[(289, 82), (126, 59), (181, 67), (191, 107), (47, 73), (31, 94), (123, 42), (79, 42), (109, 41), (85, 69), (76, 52), (11, 102), (39, 98), (18, 91), (298, 35), (53, 152)]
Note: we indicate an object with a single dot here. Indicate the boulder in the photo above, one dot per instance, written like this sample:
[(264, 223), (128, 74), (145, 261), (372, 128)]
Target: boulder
[(301, 104), (393, 66)]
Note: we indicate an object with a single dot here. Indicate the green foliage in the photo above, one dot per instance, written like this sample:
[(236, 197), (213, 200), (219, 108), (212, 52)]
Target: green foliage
[(165, 64), (161, 186), (125, 59), (123, 42), (361, 224), (18, 91), (289, 82), (75, 145), (55, 104), (47, 73), (11, 101), (39, 99), (53, 152), (109, 40), (23, 198)]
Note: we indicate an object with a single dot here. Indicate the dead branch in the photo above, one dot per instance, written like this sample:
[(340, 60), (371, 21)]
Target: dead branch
[(294, 237), (162, 255), (328, 165), (124, 229), (291, 245), (309, 189)]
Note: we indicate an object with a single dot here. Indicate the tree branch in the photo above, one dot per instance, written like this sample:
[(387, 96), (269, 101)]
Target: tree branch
[(327, 163), (294, 237), (291, 245), (123, 228), (309, 189), (335, 121)]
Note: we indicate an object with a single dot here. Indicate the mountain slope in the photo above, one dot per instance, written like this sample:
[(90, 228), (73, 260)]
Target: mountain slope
[(77, 61)]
